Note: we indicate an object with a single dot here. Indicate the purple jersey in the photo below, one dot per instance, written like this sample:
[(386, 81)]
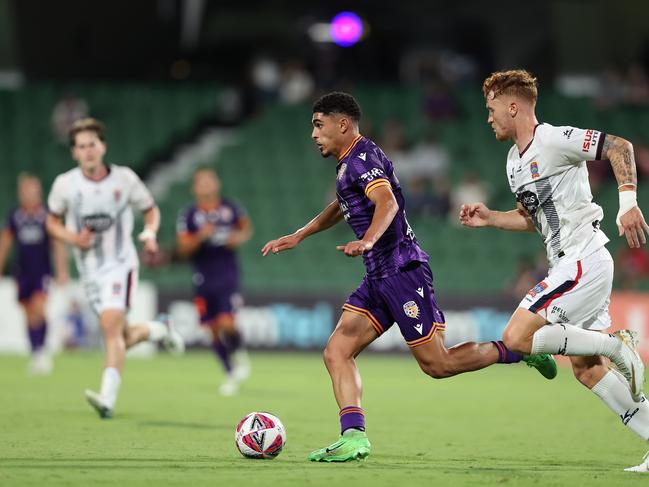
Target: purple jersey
[(32, 243), (215, 265), (363, 168)]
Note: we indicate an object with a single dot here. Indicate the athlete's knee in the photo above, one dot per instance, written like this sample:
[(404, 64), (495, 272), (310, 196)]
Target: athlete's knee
[(112, 325), (515, 340), (437, 368), (334, 355)]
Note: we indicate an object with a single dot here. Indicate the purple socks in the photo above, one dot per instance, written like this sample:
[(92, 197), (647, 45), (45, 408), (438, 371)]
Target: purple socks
[(352, 417), (223, 354), (225, 346), (37, 336), (505, 355)]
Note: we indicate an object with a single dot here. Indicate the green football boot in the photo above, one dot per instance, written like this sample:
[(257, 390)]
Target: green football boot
[(544, 363), (352, 445)]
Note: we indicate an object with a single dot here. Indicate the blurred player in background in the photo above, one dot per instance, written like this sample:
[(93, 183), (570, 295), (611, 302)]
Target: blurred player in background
[(398, 286), (32, 268), (209, 232), (547, 172), (95, 202)]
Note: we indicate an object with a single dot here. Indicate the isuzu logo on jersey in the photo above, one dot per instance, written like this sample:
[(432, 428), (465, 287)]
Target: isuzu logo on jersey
[(590, 139), (97, 223), (411, 309), (529, 201)]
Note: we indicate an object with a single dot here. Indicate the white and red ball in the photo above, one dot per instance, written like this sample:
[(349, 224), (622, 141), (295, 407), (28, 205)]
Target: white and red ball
[(260, 435)]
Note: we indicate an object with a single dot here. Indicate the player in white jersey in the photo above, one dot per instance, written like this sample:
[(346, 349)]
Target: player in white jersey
[(563, 314), (94, 200)]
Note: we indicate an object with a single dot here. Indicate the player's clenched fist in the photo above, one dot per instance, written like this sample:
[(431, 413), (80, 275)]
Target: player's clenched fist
[(276, 246), (475, 215)]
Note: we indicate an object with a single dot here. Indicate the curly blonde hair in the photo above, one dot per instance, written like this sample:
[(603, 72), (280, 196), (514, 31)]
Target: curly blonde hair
[(513, 82)]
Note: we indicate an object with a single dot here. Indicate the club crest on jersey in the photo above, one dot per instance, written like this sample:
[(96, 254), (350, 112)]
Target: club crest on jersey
[(341, 171), (411, 309), (117, 194), (539, 288), (117, 288), (534, 169)]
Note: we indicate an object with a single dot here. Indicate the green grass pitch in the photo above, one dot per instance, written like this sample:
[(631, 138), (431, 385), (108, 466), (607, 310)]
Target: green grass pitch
[(501, 426)]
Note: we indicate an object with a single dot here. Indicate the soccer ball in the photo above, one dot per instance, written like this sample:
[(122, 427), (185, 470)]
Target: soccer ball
[(260, 435)]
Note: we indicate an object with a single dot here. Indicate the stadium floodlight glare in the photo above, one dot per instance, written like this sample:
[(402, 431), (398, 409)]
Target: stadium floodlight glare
[(346, 29)]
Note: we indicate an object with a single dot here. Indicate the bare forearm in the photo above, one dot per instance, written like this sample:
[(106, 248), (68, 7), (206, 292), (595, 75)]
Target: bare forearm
[(240, 236), (152, 220), (57, 230), (5, 245), (327, 218), (384, 213), (619, 153), (513, 221), (187, 244)]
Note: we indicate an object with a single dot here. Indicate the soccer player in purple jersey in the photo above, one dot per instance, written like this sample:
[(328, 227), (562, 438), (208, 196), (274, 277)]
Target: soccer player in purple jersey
[(209, 232), (32, 268), (398, 286)]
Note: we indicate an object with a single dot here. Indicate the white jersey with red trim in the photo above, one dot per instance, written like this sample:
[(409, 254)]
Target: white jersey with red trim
[(550, 179), (104, 207)]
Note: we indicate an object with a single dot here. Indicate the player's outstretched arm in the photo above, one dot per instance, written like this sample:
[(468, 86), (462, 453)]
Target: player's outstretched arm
[(476, 215), (385, 209), (630, 221), (84, 239), (327, 218)]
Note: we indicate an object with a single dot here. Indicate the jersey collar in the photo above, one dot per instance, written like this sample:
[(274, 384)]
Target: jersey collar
[(351, 146), (520, 154), (108, 171)]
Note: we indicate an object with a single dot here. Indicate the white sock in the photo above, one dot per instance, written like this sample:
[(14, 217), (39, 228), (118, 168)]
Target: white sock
[(110, 381), (572, 340), (614, 391), (157, 330)]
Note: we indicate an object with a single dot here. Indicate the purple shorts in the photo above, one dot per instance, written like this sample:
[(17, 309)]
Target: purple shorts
[(213, 302), (30, 285), (406, 298)]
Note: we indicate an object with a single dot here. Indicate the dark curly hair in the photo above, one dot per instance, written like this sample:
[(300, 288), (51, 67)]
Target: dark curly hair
[(338, 102)]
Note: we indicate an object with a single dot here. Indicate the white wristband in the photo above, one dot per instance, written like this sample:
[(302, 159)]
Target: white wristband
[(628, 201), (147, 234)]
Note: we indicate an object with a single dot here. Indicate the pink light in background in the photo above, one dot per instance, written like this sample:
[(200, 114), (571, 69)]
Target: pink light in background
[(346, 29)]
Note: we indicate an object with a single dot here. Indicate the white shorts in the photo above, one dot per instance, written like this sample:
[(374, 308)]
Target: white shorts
[(112, 289), (577, 293)]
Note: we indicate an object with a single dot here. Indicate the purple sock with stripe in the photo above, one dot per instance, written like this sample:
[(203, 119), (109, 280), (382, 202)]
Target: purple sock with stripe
[(505, 355), (352, 417)]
